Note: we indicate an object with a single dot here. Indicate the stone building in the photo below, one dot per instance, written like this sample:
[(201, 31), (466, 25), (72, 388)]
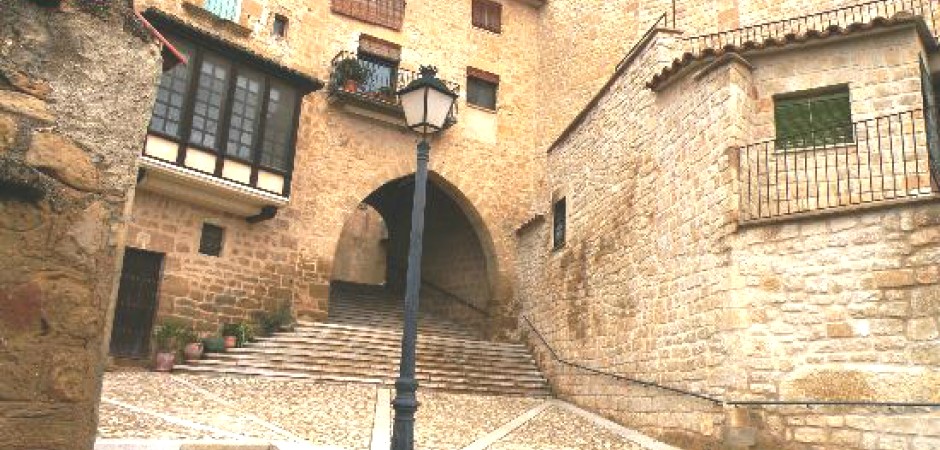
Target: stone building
[(682, 207)]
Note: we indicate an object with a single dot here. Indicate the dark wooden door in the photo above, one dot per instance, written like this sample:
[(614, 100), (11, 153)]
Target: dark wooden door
[(136, 303)]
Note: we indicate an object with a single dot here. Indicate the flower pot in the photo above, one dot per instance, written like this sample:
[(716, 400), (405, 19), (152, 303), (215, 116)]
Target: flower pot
[(351, 85), (193, 351), (163, 362), (230, 342)]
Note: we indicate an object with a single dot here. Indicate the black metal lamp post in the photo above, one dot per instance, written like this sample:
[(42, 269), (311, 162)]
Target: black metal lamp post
[(427, 103)]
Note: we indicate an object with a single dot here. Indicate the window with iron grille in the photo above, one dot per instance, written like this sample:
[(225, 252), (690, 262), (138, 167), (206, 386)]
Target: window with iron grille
[(816, 119), (559, 222), (225, 9), (228, 107), (487, 15), (380, 58), (481, 88), (210, 242)]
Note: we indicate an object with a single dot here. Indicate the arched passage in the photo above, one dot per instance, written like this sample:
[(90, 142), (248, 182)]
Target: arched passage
[(457, 264)]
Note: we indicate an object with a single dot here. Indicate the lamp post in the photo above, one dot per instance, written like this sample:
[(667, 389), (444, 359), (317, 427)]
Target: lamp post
[(427, 103)]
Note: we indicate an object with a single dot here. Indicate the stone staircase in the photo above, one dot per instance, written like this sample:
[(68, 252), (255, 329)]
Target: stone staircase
[(361, 342)]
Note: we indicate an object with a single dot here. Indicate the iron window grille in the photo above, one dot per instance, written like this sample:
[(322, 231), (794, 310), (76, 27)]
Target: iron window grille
[(210, 241), (225, 9), (815, 119), (487, 15), (559, 224), (229, 108)]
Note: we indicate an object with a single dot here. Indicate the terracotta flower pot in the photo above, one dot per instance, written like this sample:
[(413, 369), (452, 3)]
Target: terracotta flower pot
[(230, 342), (164, 362), (193, 351), (351, 85)]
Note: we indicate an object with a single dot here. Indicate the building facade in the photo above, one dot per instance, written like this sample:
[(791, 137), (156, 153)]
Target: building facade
[(732, 200)]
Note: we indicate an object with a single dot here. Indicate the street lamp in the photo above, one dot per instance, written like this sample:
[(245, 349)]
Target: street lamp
[(427, 103)]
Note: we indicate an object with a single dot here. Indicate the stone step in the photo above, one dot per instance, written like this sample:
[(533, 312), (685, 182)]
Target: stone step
[(313, 329), (508, 368), (345, 345), (397, 327), (390, 371), (372, 374), (449, 385), (341, 349)]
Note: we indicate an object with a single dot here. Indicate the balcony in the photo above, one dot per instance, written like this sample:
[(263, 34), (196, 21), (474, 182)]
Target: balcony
[(375, 97), (889, 159)]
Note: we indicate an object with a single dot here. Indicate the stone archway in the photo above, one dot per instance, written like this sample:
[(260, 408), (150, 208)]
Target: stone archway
[(459, 263)]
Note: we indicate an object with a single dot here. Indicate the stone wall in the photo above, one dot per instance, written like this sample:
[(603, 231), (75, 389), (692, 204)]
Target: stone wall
[(361, 253), (69, 138), (658, 282)]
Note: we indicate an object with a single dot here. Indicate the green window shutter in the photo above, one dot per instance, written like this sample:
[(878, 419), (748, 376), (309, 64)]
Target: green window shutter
[(792, 117), (814, 121)]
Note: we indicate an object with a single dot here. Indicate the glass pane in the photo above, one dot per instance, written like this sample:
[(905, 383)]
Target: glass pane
[(170, 95), (381, 76), (279, 127), (210, 95), (481, 93), (226, 9), (246, 108)]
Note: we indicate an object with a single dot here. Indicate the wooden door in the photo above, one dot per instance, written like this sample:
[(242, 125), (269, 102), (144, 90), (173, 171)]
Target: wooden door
[(136, 303)]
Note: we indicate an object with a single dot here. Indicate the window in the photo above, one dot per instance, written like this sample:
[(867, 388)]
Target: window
[(386, 13), (226, 9), (280, 26), (481, 88), (229, 109), (559, 211), (210, 242), (816, 119), (380, 59), (487, 15)]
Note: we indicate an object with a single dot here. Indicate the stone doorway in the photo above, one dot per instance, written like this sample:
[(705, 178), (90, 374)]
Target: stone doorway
[(136, 303), (456, 266)]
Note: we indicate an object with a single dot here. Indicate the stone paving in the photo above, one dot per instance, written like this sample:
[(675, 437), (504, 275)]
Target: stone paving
[(153, 406)]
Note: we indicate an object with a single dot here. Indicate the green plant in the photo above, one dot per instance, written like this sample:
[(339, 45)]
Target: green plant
[(242, 331), (187, 335), (214, 344), (166, 336), (350, 69), (269, 322)]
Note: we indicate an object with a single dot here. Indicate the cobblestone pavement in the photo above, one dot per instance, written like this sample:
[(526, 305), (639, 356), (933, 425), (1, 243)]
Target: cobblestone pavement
[(190, 407)]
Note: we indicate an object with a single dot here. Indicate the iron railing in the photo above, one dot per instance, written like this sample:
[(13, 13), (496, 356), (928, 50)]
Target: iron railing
[(381, 83), (820, 21), (876, 160), (388, 13)]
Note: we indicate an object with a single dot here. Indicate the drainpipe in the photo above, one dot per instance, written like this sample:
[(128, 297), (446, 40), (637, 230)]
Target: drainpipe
[(180, 59)]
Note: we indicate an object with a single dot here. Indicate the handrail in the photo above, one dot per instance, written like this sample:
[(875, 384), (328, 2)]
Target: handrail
[(450, 295), (717, 400), (850, 14)]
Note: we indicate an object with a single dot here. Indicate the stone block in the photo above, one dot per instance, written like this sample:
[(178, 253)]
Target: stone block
[(62, 159), (839, 330), (26, 84), (923, 329), (894, 278), (25, 105), (8, 130)]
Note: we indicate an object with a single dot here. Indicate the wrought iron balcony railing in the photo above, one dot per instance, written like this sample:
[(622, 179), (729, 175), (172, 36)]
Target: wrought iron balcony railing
[(378, 88), (821, 21), (894, 157)]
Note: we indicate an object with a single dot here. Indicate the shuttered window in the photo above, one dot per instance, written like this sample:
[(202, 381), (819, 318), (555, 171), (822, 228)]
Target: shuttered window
[(487, 15), (210, 242), (481, 88), (814, 120)]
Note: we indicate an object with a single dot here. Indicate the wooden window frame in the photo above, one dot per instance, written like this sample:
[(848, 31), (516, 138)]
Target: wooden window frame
[(488, 78), (185, 125), (487, 15), (789, 140), (280, 18)]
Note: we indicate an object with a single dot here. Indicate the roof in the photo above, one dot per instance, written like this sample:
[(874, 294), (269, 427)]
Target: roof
[(172, 24), (711, 53)]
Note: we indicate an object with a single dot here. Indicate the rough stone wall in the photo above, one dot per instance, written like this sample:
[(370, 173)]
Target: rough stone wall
[(254, 273), (361, 254), (69, 135), (342, 158), (657, 282)]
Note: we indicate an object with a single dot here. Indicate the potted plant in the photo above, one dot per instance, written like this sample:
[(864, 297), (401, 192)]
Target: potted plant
[(193, 348), (229, 332), (240, 332), (280, 319), (349, 73), (166, 338), (214, 344)]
